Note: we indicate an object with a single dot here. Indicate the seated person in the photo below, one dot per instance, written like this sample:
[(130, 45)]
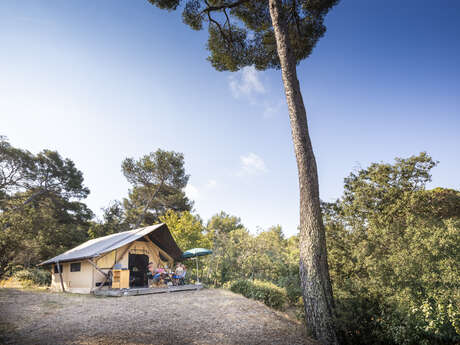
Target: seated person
[(179, 274), (150, 269), (157, 274)]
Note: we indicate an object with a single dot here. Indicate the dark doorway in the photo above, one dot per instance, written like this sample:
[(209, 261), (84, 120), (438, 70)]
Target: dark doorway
[(137, 264)]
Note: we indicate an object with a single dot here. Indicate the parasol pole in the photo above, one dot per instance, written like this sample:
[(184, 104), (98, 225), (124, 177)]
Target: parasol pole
[(197, 279)]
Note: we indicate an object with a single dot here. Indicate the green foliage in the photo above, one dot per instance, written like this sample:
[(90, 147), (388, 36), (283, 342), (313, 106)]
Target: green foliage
[(241, 32), (393, 256), (28, 176), (392, 245), (34, 275), (379, 195), (16, 168), (158, 181), (186, 228), (239, 254), (269, 293), (230, 243), (39, 216), (41, 229), (223, 223), (113, 221), (188, 232), (291, 284)]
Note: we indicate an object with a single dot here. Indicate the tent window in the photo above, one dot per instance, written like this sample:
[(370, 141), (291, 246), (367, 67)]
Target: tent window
[(56, 268), (75, 267)]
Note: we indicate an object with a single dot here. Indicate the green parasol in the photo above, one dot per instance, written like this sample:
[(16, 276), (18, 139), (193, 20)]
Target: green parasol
[(195, 253)]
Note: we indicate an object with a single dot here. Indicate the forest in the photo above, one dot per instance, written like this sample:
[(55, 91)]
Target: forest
[(393, 244)]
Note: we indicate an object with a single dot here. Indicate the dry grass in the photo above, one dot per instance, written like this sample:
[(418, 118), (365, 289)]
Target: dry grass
[(209, 316)]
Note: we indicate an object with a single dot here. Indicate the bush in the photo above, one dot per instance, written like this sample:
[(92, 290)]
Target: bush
[(375, 320), (291, 283), (11, 269), (33, 275), (269, 293)]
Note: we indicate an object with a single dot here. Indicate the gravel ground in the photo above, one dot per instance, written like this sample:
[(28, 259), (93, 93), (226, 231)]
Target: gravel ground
[(209, 316)]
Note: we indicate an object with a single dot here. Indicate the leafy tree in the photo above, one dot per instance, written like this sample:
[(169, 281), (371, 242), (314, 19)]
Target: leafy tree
[(16, 168), (393, 249), (186, 228), (46, 173), (220, 263), (233, 257), (113, 221), (270, 254), (188, 232), (158, 181), (237, 254), (379, 194), (223, 223), (278, 34), (39, 216)]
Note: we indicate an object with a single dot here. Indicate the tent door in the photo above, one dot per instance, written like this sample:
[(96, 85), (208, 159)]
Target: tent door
[(137, 264)]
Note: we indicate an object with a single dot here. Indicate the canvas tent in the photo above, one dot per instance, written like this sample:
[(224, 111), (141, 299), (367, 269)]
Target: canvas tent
[(87, 267)]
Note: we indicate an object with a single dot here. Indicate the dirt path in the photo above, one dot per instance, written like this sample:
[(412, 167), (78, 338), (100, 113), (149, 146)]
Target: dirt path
[(196, 317)]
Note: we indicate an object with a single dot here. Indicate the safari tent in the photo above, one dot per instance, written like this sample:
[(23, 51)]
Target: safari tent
[(88, 267)]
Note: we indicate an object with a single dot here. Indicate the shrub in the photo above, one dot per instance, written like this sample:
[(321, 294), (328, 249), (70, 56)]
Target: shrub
[(33, 275), (269, 293), (375, 320), (291, 283), (11, 269)]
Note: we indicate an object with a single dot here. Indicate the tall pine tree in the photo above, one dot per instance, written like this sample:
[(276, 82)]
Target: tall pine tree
[(278, 34)]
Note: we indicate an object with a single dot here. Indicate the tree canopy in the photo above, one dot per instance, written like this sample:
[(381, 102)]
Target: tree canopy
[(394, 254), (158, 180), (241, 32), (40, 212), (392, 243), (46, 173)]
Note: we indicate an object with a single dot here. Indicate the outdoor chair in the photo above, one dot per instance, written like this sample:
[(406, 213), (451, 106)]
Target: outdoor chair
[(180, 279)]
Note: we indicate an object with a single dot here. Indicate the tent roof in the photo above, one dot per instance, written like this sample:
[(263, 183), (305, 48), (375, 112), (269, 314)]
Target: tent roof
[(158, 234)]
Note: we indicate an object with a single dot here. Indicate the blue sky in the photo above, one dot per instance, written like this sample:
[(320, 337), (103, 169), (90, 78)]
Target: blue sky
[(103, 80)]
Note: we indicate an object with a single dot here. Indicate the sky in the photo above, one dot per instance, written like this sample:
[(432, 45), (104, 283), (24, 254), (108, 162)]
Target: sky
[(100, 81)]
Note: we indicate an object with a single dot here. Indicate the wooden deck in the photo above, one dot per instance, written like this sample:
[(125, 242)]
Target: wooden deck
[(146, 291)]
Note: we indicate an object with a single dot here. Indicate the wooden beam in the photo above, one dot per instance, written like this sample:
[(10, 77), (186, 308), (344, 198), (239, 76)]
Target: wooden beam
[(124, 252), (97, 268), (121, 257), (161, 250), (60, 276), (154, 255)]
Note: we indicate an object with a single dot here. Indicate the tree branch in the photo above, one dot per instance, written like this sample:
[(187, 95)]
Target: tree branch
[(229, 25), (296, 16), (142, 215), (219, 27), (218, 8)]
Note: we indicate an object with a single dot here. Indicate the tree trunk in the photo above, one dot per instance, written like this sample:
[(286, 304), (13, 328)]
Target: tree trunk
[(141, 217), (314, 271)]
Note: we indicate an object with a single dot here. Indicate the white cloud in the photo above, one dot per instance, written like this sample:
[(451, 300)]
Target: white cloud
[(201, 192), (211, 184), (252, 164), (192, 192), (272, 108), (246, 83)]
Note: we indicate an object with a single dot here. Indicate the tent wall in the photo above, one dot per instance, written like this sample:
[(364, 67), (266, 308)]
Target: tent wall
[(136, 247), (85, 280), (76, 282)]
